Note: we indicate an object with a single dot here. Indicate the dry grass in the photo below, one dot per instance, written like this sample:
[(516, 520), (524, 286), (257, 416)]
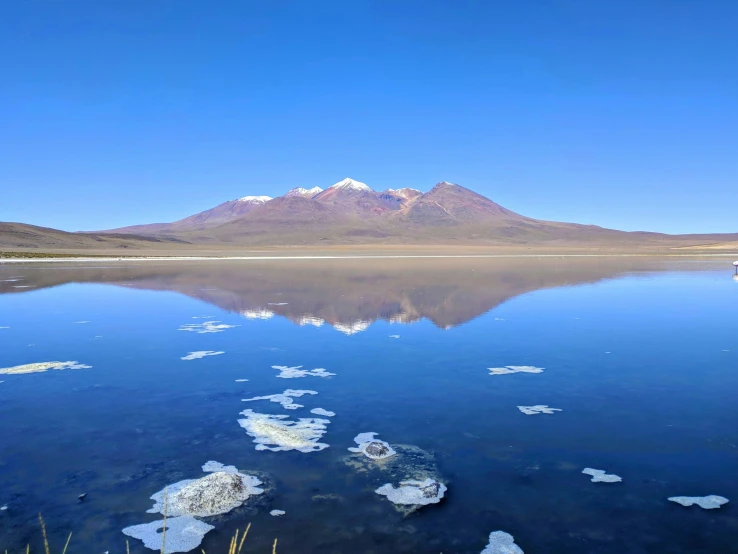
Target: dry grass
[(236, 544)]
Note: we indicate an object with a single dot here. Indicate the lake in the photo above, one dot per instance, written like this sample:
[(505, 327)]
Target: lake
[(640, 355)]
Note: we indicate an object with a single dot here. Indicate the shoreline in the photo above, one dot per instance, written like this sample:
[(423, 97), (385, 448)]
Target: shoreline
[(351, 257)]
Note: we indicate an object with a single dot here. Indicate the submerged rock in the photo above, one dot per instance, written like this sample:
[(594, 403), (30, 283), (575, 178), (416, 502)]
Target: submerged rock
[(40, 367), (371, 447), (302, 435), (538, 409), (501, 543), (415, 493), (599, 476), (184, 533), (295, 372), (508, 369), (214, 494), (710, 502)]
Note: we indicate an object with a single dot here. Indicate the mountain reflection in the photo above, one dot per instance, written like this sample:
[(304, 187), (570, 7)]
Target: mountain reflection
[(348, 295)]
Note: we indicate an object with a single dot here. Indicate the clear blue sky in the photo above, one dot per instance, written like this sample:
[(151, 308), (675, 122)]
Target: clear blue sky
[(622, 113)]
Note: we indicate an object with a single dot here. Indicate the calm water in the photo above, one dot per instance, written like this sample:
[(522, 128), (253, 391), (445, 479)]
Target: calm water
[(641, 356)]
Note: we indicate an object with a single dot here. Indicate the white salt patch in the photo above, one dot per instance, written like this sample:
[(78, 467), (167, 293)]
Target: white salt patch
[(501, 543), (213, 466), (285, 399), (284, 434), (201, 354), (599, 476), (321, 411), (241, 380), (277, 513), (3, 508), (295, 372), (538, 409), (710, 502), (184, 533), (372, 448), (514, 369), (206, 327), (215, 494), (416, 493), (41, 366), (394, 336)]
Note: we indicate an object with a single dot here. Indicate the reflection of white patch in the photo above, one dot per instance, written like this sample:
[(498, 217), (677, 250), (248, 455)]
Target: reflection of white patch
[(371, 447), (310, 320), (201, 354), (501, 543), (285, 399), (710, 502), (416, 493), (322, 412), (353, 327), (508, 369), (203, 316), (277, 303), (301, 435), (295, 372), (538, 409), (80, 322), (206, 327), (394, 336), (277, 513), (257, 314), (22, 286), (41, 366), (599, 476), (184, 533)]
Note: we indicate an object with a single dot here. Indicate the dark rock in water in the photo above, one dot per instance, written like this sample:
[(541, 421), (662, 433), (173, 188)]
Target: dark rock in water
[(431, 491), (377, 449)]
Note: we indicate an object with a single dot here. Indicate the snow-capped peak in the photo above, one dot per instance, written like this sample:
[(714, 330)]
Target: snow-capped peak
[(255, 199), (307, 193), (350, 184)]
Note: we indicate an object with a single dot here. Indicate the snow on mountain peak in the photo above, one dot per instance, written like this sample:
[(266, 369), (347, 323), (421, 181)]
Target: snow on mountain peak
[(350, 184), (307, 193), (255, 199)]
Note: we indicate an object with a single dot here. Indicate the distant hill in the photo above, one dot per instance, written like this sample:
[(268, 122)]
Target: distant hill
[(351, 212)]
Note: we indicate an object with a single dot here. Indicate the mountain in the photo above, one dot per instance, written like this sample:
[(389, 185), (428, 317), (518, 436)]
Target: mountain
[(355, 199)]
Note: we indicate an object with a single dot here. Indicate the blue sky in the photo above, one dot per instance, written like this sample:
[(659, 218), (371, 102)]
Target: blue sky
[(622, 113)]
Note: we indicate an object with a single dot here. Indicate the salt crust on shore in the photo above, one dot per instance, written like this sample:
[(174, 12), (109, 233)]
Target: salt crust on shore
[(285, 399), (322, 412), (277, 433), (201, 354), (371, 447), (508, 369), (206, 327), (41, 367), (599, 476), (501, 543), (538, 409), (415, 493), (710, 502), (295, 372), (184, 533)]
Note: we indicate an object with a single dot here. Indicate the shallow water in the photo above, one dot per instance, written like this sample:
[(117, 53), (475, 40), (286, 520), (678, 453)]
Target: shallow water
[(640, 356)]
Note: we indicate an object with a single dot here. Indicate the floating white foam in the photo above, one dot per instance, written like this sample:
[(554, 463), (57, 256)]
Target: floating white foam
[(184, 533), (285, 399), (514, 369), (599, 476), (241, 380), (302, 435), (206, 327), (277, 513), (41, 366), (416, 493), (394, 336), (80, 322), (295, 372), (710, 502), (371, 447), (501, 543), (538, 409), (322, 412), (201, 354)]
